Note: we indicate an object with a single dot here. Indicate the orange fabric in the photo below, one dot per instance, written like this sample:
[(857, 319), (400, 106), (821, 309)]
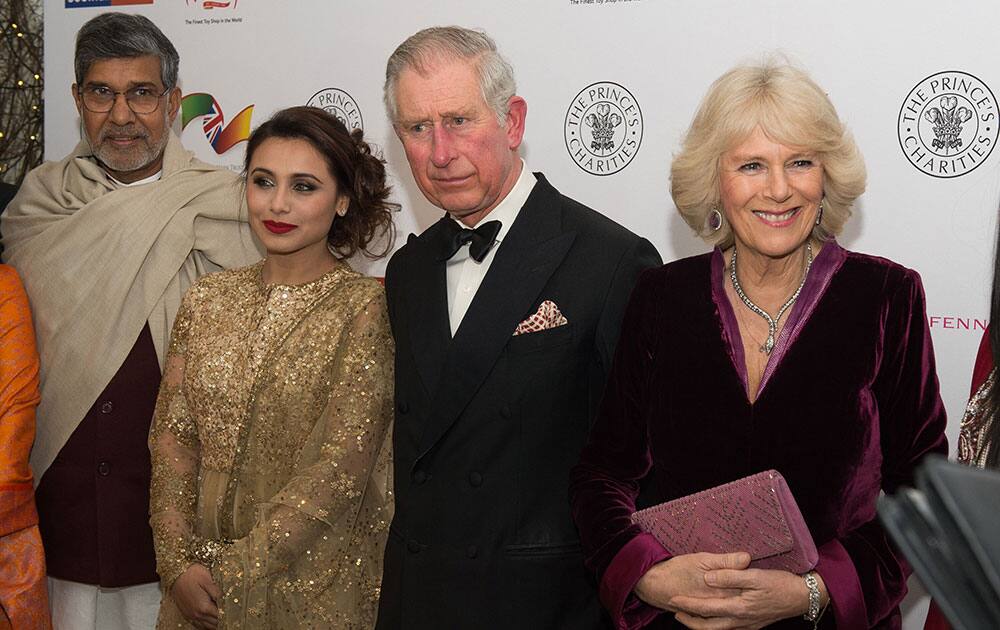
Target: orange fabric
[(23, 591), (23, 594), (18, 380)]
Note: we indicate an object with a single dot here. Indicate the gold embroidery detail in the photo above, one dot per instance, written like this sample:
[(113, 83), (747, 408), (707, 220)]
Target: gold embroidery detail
[(973, 444), (272, 432)]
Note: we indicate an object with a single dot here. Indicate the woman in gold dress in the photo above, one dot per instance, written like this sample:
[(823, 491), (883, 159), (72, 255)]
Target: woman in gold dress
[(270, 497)]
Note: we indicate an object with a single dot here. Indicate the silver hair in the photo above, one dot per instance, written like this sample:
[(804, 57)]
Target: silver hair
[(117, 35), (420, 50)]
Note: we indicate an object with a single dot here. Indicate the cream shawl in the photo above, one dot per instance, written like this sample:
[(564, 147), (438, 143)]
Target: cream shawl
[(99, 263)]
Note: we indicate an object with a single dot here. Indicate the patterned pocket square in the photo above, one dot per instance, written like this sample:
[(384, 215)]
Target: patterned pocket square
[(548, 316)]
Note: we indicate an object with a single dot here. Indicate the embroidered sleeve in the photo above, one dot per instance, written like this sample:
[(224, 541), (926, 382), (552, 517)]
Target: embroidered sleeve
[(174, 448)]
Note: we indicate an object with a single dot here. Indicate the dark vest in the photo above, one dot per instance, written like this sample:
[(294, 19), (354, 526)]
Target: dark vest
[(93, 501)]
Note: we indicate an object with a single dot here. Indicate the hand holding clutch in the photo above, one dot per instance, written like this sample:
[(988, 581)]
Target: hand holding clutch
[(685, 576), (737, 549), (750, 598), (756, 514)]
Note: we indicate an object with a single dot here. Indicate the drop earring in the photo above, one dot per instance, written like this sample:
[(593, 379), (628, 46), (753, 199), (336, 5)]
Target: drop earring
[(714, 220)]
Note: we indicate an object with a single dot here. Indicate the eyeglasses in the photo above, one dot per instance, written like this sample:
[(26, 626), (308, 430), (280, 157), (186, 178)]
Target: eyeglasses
[(101, 100)]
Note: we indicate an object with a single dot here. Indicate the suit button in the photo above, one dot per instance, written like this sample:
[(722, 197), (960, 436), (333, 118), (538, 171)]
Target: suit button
[(472, 551), (104, 469), (475, 479), (107, 407), (403, 407), (505, 411), (413, 546), (420, 476)]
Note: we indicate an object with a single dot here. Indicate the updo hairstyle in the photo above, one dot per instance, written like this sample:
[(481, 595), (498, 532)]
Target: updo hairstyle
[(360, 174)]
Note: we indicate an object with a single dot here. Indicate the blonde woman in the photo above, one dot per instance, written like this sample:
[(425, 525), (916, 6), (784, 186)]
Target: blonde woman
[(778, 349)]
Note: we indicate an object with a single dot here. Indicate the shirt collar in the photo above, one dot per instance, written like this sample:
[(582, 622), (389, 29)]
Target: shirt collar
[(146, 180), (509, 207)]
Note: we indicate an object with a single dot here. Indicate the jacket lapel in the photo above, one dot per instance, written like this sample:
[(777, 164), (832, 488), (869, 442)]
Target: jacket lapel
[(427, 302), (527, 257)]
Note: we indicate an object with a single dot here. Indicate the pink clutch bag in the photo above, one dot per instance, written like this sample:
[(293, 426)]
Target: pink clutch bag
[(756, 514)]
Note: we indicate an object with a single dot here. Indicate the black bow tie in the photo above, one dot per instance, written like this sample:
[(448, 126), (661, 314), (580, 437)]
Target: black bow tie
[(480, 240)]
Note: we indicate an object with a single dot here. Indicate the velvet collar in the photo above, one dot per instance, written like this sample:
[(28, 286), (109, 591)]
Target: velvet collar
[(823, 268)]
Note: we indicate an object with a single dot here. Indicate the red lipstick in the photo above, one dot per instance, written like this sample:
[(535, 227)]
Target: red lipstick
[(277, 227)]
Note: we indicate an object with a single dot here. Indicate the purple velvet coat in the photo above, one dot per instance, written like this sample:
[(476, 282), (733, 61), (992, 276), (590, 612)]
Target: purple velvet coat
[(847, 407)]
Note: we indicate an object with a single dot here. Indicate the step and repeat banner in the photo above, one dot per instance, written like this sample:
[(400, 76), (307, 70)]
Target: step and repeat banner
[(915, 81)]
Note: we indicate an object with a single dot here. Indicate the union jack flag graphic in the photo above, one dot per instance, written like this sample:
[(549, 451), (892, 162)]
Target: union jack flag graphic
[(212, 122), (221, 136)]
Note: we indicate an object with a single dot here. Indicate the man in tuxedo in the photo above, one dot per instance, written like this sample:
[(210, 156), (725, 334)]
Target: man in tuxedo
[(506, 313)]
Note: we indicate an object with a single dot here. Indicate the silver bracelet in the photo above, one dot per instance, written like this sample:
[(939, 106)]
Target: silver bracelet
[(812, 615)]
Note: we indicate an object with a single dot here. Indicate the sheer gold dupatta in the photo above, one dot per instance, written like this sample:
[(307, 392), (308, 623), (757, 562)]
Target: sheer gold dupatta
[(294, 540)]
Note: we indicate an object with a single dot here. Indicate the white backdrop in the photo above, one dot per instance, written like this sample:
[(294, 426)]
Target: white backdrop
[(653, 60)]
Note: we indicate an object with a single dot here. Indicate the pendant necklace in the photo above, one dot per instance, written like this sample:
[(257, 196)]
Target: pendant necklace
[(772, 323)]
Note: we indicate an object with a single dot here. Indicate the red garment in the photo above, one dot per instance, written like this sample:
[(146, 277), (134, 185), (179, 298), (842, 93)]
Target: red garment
[(984, 365), (935, 619), (23, 594)]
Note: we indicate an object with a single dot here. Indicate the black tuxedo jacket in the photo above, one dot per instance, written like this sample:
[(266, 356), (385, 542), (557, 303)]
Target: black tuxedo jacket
[(489, 424)]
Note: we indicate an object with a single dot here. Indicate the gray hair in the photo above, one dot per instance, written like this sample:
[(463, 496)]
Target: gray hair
[(420, 50), (117, 35)]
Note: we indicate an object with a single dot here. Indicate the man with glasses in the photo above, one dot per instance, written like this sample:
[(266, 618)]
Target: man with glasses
[(107, 240), (127, 135)]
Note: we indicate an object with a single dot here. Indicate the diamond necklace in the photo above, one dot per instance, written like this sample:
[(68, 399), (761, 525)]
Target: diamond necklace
[(772, 323)]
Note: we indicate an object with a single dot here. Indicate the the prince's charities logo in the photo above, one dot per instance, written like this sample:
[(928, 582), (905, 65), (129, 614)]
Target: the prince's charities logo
[(948, 124), (603, 128), (341, 104)]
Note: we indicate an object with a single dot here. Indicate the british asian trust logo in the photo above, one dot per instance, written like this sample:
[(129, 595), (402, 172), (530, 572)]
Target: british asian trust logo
[(603, 128), (341, 104), (221, 135), (948, 124), (80, 4)]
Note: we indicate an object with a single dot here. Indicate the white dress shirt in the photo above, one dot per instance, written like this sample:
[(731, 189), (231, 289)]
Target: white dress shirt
[(464, 273)]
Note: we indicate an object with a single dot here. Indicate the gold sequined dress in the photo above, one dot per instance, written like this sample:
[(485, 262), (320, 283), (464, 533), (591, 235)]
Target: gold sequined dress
[(977, 425), (270, 449)]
